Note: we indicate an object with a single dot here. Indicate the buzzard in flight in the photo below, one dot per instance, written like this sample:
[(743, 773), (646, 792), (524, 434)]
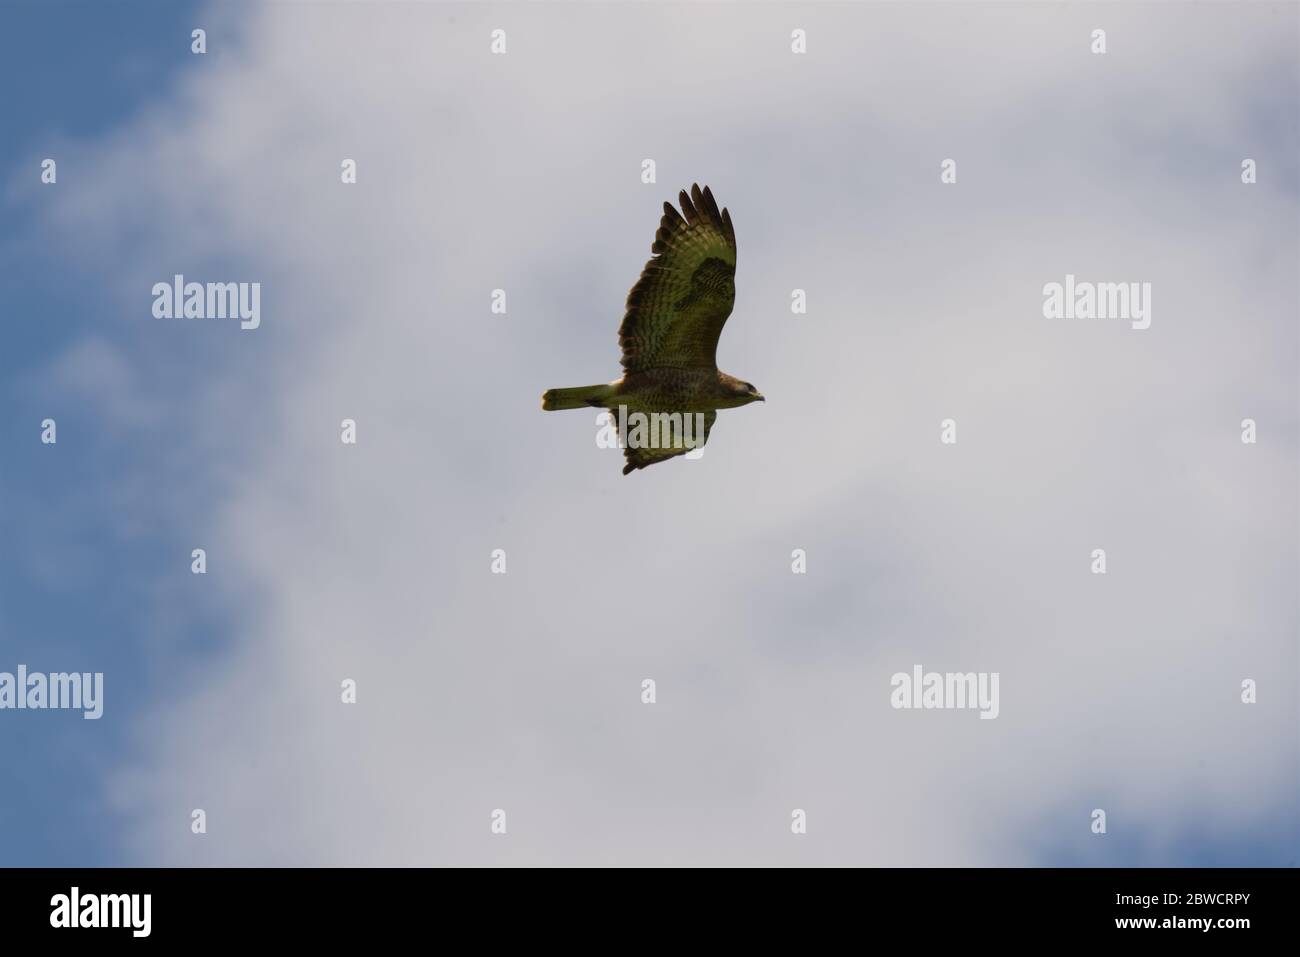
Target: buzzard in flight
[(669, 338)]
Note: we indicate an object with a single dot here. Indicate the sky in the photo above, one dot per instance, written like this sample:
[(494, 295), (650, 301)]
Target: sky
[(522, 692)]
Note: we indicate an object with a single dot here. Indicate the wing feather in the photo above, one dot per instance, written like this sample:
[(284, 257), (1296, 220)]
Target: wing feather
[(644, 457), (676, 310)]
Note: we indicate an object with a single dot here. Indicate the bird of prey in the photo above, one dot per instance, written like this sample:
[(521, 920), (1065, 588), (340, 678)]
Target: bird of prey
[(669, 338)]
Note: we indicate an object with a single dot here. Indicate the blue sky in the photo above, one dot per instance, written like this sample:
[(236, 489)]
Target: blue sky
[(81, 75), (481, 691)]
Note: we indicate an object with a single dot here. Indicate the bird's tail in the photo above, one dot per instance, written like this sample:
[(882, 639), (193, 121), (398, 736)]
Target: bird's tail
[(577, 398)]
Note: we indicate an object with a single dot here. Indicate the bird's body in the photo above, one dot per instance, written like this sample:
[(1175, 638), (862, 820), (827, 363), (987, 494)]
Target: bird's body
[(670, 331)]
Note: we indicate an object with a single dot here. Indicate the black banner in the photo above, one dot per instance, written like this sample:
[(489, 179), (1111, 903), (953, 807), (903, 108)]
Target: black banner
[(332, 906)]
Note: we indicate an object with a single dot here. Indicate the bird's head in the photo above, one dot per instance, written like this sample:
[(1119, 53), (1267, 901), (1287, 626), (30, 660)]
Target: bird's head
[(746, 393)]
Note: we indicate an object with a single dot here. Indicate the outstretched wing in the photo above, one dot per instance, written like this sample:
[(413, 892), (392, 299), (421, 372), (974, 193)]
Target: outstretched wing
[(676, 310), (640, 458)]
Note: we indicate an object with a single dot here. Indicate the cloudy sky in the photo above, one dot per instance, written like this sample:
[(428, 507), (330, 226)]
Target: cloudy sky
[(522, 692)]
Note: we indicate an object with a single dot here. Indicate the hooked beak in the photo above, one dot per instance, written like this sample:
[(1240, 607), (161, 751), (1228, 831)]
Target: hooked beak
[(759, 397)]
